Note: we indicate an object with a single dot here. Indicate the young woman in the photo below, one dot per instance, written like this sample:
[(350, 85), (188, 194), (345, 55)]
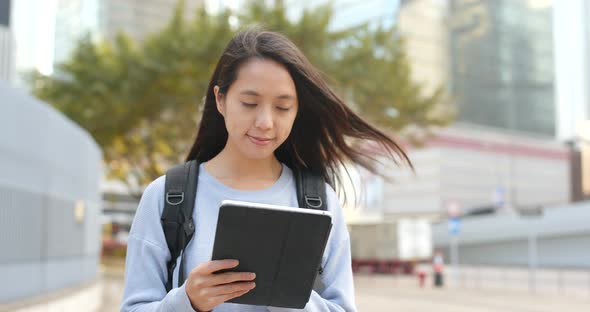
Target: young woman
[(267, 112)]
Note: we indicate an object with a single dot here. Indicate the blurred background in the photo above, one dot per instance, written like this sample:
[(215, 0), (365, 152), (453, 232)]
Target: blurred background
[(490, 98)]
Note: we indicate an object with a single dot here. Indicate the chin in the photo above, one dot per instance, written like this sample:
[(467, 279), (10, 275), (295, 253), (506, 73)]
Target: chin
[(260, 154)]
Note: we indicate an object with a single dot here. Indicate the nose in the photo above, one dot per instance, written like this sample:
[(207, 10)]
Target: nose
[(264, 119)]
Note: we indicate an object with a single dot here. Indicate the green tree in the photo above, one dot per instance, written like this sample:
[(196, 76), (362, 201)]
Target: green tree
[(140, 100)]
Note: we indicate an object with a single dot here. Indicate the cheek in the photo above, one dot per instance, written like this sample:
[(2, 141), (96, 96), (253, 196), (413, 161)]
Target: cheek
[(287, 127), (236, 122)]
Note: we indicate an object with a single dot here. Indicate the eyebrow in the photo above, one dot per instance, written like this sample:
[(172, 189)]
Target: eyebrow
[(254, 93)]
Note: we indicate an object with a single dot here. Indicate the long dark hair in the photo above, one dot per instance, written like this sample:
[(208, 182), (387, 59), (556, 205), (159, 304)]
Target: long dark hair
[(323, 134)]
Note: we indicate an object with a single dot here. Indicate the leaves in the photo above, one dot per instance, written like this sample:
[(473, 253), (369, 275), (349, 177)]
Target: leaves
[(140, 100)]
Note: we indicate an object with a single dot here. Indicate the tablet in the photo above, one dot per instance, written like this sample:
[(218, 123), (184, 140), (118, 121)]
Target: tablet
[(282, 245)]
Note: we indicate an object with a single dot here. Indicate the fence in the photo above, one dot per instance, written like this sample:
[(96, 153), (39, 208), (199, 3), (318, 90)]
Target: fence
[(542, 281)]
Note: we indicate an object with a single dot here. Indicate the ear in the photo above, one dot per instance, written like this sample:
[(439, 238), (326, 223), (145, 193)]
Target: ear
[(219, 101)]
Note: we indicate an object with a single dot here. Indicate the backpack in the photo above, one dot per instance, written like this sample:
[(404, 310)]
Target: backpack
[(180, 191)]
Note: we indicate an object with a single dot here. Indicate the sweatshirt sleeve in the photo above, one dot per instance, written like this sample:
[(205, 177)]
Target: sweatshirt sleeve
[(147, 255), (335, 291)]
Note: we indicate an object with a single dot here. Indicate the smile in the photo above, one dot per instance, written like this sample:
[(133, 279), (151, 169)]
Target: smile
[(259, 141)]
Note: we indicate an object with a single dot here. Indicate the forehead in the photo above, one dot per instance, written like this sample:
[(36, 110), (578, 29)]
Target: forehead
[(265, 77)]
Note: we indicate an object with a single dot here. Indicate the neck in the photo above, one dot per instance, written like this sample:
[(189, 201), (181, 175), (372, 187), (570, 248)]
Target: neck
[(229, 165)]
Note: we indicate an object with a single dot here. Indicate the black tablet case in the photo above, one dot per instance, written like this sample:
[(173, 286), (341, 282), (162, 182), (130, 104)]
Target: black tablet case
[(283, 248)]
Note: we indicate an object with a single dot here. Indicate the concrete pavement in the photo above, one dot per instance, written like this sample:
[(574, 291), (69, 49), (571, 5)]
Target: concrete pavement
[(386, 293)]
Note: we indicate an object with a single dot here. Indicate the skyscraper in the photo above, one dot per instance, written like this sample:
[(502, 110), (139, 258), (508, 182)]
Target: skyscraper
[(46, 31), (73, 20), (32, 23), (138, 18), (351, 13), (422, 23), (496, 59), (501, 55)]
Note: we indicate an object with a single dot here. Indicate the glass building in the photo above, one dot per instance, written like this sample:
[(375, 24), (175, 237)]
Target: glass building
[(349, 13), (74, 19), (138, 18), (501, 63)]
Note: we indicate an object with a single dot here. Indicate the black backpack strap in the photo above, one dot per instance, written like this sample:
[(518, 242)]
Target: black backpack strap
[(177, 221), (311, 190), (311, 193)]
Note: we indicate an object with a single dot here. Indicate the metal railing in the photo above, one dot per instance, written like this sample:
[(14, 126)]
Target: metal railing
[(569, 282)]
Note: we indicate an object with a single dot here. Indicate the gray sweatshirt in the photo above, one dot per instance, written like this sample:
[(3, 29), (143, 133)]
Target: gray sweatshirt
[(147, 251)]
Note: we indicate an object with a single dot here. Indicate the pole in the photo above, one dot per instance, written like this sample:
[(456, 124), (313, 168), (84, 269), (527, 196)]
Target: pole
[(455, 258), (532, 260)]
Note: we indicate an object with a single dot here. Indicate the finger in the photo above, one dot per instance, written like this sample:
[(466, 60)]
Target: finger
[(223, 298), (216, 265), (229, 288), (230, 277)]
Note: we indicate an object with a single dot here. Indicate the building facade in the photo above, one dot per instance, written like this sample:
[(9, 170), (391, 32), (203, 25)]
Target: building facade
[(7, 43), (73, 20), (50, 200), (472, 169), (501, 55), (139, 18), (423, 25)]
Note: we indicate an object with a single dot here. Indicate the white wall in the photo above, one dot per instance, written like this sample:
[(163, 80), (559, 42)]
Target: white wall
[(467, 165), (528, 170), (47, 165)]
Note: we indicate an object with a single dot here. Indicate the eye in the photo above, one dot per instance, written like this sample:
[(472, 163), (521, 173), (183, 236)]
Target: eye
[(284, 109), (249, 105)]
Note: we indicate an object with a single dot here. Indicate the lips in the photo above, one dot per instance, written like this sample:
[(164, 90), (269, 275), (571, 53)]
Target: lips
[(259, 140)]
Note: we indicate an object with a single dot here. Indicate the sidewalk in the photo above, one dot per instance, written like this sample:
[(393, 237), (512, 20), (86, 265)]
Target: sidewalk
[(381, 293), (113, 282), (386, 293)]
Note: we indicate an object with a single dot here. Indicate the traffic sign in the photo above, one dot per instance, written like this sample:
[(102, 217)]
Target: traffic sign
[(454, 226)]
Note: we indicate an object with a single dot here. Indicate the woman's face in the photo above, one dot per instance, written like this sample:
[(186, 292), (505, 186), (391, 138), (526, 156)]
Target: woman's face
[(259, 108)]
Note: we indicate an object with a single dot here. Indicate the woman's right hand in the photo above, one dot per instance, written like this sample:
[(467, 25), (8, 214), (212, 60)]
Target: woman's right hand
[(206, 290)]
